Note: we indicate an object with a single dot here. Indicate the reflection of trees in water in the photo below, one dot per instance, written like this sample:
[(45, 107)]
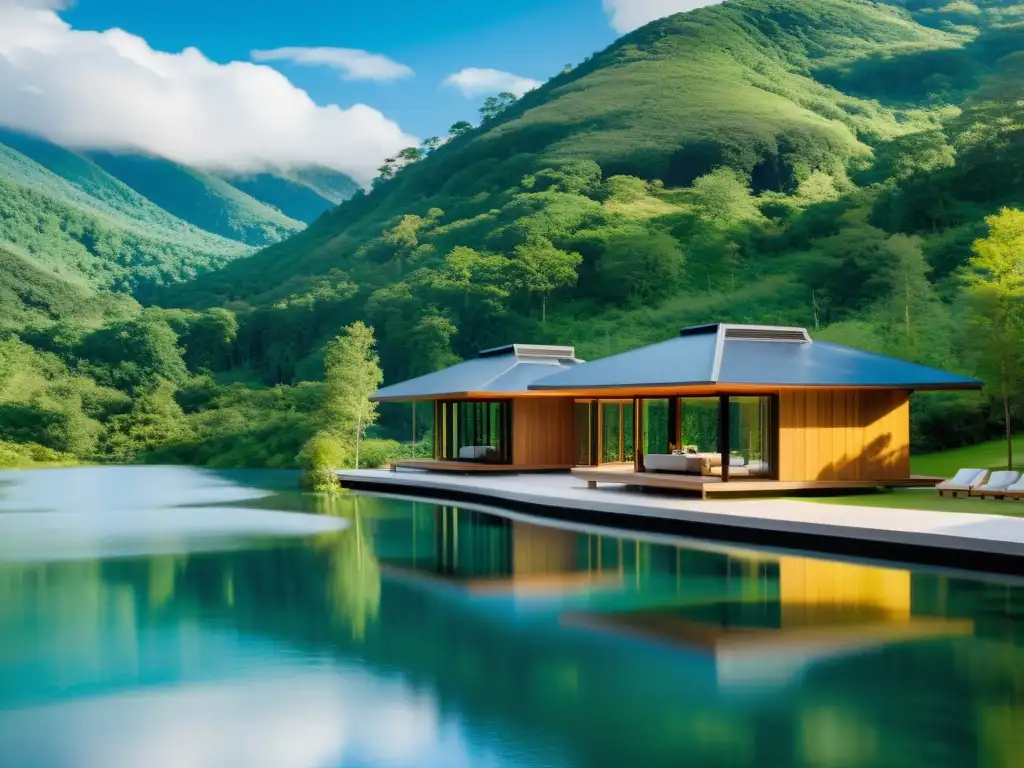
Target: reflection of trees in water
[(353, 581), (604, 699)]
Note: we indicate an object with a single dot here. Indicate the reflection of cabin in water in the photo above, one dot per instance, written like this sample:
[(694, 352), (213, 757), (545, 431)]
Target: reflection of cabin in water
[(819, 609), (718, 409), (483, 554)]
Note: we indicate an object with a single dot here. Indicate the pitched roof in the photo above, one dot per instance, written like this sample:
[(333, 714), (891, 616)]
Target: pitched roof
[(722, 355), (501, 371)]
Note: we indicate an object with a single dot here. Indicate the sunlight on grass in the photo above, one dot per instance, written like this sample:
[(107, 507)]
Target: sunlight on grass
[(989, 455), (926, 500)]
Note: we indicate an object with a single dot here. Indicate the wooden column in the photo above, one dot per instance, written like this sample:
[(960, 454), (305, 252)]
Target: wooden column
[(638, 435), (723, 435), (438, 431), (675, 423)]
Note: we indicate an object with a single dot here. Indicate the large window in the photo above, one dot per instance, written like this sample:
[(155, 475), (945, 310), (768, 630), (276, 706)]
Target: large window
[(693, 425), (616, 431), (659, 431), (473, 430), (751, 436), (699, 416), (585, 433)]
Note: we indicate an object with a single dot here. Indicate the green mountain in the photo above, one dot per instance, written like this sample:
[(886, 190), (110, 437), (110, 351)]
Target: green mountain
[(302, 194), (710, 164), (127, 223), (86, 225), (200, 198), (32, 296)]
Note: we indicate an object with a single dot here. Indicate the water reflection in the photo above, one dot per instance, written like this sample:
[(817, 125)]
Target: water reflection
[(424, 635)]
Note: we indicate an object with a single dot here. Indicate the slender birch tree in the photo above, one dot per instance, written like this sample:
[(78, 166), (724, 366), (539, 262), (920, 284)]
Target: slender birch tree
[(352, 373), (995, 298)]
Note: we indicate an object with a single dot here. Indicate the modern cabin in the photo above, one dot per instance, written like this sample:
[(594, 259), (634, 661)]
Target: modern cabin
[(718, 409), (485, 418)]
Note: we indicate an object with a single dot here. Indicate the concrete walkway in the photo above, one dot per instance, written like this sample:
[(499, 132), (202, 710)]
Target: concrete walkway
[(950, 531)]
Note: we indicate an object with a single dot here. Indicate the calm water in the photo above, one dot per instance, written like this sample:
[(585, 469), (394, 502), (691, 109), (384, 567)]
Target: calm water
[(170, 617)]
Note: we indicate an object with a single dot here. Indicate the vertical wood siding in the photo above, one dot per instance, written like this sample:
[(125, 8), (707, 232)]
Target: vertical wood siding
[(844, 434), (542, 431)]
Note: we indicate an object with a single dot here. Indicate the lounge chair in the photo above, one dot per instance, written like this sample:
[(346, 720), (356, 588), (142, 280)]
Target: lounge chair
[(962, 482), (997, 484), (1015, 492)]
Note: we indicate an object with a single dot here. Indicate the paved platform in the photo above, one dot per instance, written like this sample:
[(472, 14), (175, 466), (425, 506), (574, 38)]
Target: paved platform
[(971, 541)]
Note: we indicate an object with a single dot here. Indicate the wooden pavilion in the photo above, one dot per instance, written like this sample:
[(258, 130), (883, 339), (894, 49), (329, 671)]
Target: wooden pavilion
[(719, 409)]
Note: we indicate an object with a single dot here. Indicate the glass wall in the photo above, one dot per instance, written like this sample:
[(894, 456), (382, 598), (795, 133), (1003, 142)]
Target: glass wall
[(659, 432), (473, 430), (691, 425), (586, 439), (700, 423), (751, 436), (616, 431)]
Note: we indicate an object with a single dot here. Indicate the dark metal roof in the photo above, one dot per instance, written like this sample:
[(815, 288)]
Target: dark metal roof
[(501, 371), (721, 354)]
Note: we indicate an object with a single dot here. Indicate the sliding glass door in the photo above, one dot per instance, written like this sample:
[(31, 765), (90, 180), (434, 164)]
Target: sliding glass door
[(751, 436), (473, 430), (616, 431)]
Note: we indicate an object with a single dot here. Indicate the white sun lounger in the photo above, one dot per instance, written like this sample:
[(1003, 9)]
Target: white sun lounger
[(1015, 492), (997, 484), (962, 482)]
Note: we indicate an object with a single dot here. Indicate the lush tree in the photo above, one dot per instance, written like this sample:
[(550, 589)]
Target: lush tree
[(402, 239), (541, 268), (459, 128), (410, 155), (432, 339), (134, 355), (155, 419), (479, 277), (910, 314), (723, 196), (320, 458), (995, 298), (641, 266), (352, 373), (431, 143), (625, 189), (495, 105)]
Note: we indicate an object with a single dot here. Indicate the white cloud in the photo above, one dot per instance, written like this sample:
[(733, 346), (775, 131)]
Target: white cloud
[(627, 15), (54, 5), (489, 82), (354, 64), (110, 90)]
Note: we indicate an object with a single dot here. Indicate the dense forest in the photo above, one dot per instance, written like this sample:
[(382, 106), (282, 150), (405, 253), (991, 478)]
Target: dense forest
[(845, 165)]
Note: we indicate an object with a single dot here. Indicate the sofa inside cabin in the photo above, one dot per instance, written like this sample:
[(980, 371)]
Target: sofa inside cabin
[(705, 464)]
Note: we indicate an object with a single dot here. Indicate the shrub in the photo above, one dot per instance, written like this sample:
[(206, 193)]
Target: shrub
[(377, 453), (320, 457)]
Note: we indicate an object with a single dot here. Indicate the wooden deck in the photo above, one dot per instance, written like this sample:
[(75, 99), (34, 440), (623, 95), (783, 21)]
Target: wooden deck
[(706, 487), (473, 467)]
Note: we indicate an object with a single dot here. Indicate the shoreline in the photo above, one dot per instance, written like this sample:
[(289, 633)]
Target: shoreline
[(961, 541)]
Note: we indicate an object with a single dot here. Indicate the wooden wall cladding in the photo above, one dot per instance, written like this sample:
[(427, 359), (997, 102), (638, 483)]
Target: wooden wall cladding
[(844, 434), (542, 431), (815, 591), (537, 549)]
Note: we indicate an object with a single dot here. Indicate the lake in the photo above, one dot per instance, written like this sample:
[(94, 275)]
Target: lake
[(173, 617)]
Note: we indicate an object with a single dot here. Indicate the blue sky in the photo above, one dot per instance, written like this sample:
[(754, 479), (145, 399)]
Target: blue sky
[(249, 85), (530, 38)]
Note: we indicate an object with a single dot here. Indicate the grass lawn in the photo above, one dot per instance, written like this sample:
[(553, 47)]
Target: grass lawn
[(907, 498), (990, 455)]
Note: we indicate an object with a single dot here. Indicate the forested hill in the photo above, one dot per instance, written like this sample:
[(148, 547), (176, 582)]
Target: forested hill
[(127, 222), (827, 163), (760, 160)]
